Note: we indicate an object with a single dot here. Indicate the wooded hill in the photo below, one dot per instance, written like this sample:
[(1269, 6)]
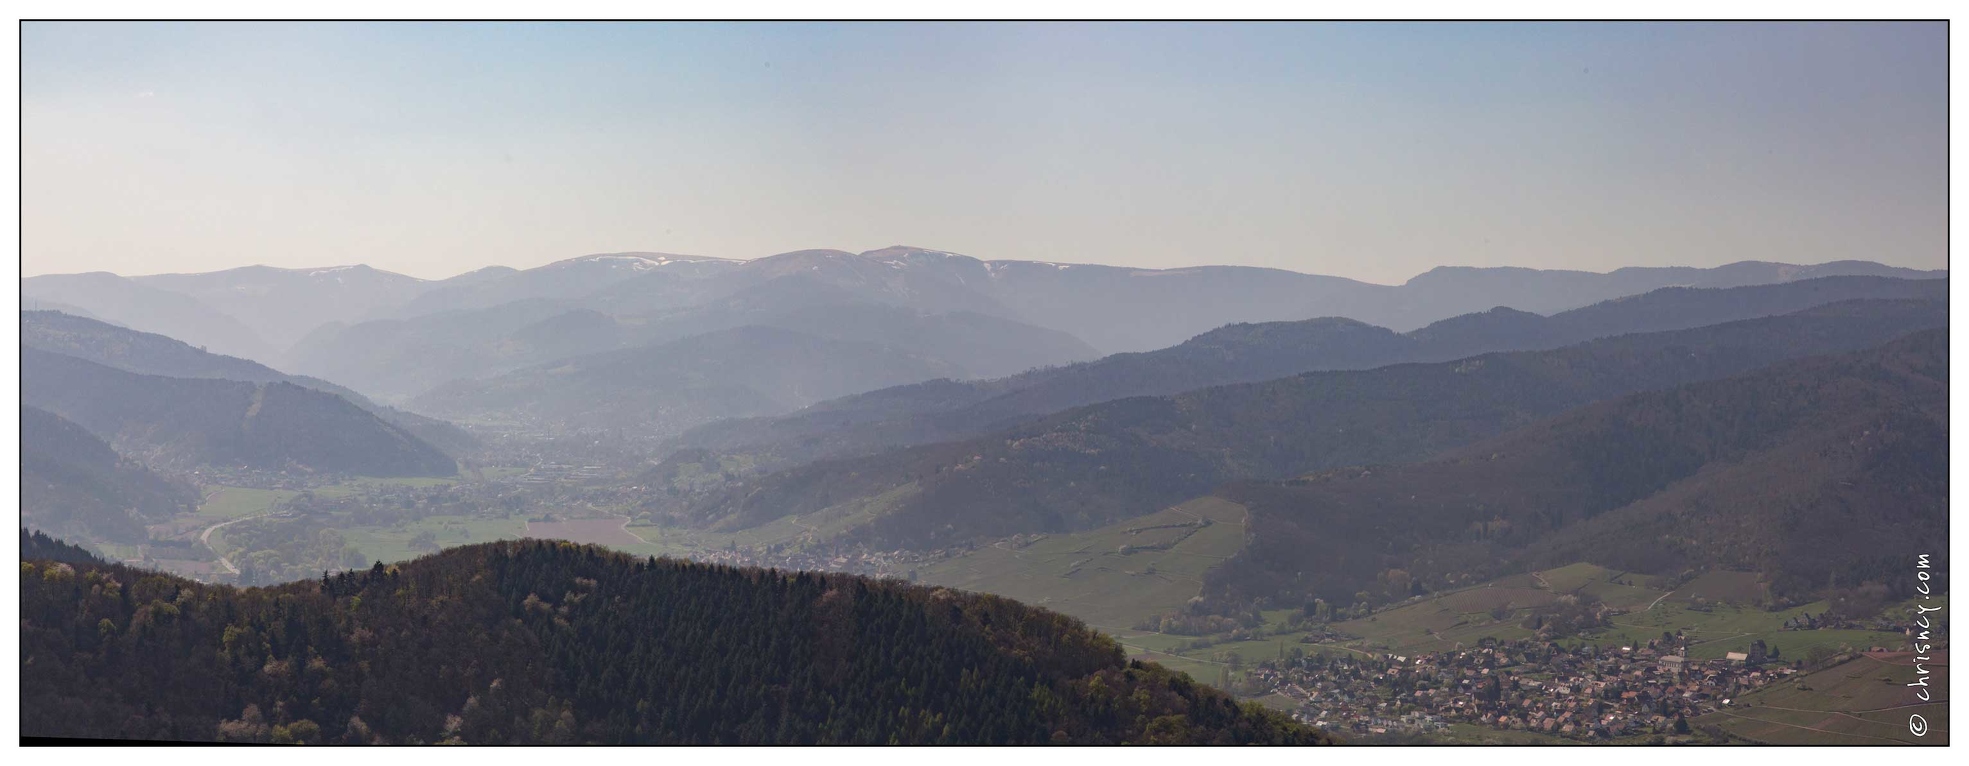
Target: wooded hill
[(1089, 466), (73, 484), (152, 354), (552, 643), (1816, 472), (183, 422), (38, 546)]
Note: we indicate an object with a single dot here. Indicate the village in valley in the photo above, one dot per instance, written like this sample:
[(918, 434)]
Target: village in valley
[(1584, 692), (1699, 663)]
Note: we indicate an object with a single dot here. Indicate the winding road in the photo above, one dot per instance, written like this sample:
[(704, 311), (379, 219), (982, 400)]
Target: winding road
[(206, 539), (625, 530)]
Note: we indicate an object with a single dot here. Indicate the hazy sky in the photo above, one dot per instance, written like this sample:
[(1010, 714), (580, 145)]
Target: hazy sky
[(1374, 151)]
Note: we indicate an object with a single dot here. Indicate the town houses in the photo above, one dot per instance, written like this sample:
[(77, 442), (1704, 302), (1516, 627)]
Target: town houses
[(1583, 691)]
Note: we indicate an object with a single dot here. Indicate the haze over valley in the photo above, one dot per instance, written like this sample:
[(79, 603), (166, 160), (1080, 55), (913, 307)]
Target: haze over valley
[(935, 418), (1292, 384)]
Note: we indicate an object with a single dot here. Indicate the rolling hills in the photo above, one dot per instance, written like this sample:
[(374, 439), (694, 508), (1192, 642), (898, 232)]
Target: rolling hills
[(281, 305), (403, 358), (1114, 308), (152, 354), (1093, 465), (73, 484), (566, 279), (946, 410), (126, 302), (179, 423), (553, 643), (665, 388)]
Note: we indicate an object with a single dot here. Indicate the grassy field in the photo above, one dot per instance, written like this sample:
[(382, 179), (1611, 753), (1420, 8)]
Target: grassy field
[(360, 483), (1465, 616), (223, 503), (233, 502), (604, 531), (1728, 628), (1112, 577), (684, 542), (392, 544), (1863, 701), (1472, 734)]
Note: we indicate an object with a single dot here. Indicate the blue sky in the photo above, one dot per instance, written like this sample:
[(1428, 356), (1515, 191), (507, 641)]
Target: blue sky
[(1373, 151)]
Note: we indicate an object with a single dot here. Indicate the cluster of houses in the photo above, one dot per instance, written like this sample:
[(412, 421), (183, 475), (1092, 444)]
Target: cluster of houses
[(550, 473), (1584, 692), (858, 560)]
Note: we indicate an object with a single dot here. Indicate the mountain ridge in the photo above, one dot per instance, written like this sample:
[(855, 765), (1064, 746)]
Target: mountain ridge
[(154, 354), (185, 422), (1127, 457), (1812, 471), (946, 410)]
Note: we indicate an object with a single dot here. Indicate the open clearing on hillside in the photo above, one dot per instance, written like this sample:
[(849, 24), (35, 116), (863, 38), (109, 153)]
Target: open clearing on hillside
[(234, 502), (1718, 629), (1863, 701), (392, 544), (1112, 577), (1464, 616)]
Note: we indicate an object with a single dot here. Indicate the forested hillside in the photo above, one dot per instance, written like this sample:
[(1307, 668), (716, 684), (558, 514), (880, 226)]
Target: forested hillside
[(37, 546), (553, 643), (1092, 465), (153, 354), (947, 410), (1816, 472), (181, 422), (73, 484)]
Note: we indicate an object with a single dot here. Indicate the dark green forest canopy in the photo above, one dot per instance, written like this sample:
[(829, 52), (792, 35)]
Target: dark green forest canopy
[(551, 642), (1812, 471)]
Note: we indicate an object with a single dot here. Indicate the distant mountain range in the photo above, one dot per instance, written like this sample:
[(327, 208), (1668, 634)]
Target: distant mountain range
[(312, 320), (402, 358), (663, 389), (946, 410), (187, 422), (281, 305), (126, 302), (1815, 472), (1128, 457)]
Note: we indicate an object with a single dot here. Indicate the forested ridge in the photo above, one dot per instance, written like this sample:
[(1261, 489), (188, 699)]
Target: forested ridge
[(181, 423), (550, 642), (73, 484), (1815, 472), (152, 354), (945, 410), (1094, 465)]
